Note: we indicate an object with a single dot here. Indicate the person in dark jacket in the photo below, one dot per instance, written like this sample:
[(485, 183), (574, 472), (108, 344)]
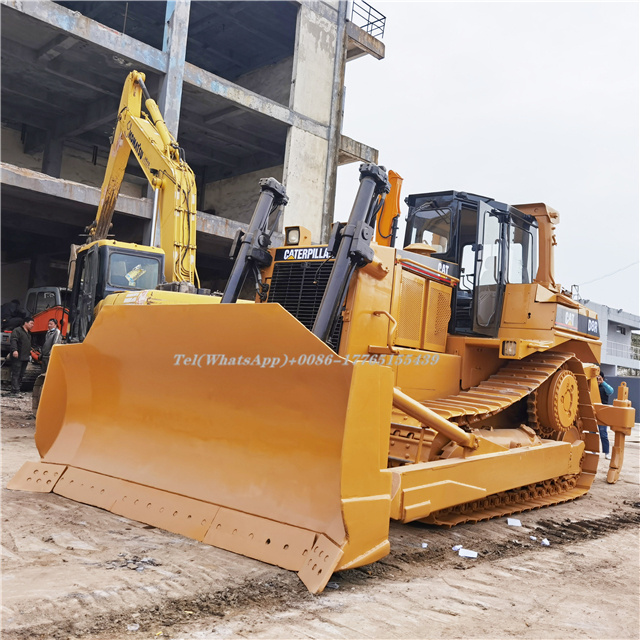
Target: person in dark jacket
[(605, 391), (20, 352), (52, 337), (13, 315)]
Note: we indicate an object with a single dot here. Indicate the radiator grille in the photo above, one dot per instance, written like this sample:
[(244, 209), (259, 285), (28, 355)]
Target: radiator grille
[(410, 313), (438, 316), (299, 287)]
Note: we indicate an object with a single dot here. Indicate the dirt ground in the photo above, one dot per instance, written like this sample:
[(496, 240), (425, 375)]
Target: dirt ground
[(74, 571)]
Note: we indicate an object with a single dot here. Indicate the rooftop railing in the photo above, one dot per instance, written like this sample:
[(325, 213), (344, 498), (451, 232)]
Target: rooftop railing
[(363, 15), (620, 350)]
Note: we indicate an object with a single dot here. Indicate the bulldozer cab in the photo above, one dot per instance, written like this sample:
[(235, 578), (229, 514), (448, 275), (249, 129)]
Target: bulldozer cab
[(492, 243), (105, 267)]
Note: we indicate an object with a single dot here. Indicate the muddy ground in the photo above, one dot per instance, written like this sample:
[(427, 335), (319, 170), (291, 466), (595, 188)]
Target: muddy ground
[(74, 571)]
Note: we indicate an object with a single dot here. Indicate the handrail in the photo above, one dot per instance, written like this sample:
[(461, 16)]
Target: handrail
[(621, 350), (363, 15)]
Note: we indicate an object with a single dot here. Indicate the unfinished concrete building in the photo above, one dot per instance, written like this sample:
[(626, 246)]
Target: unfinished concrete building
[(250, 89)]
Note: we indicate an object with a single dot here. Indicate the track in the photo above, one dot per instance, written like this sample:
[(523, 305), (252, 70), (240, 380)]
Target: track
[(517, 381)]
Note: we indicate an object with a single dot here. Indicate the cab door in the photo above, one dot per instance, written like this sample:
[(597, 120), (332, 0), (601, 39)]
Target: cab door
[(84, 293), (490, 267)]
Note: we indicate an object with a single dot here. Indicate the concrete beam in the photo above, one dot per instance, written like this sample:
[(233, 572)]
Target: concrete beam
[(60, 68), (33, 96), (104, 110), (246, 99), (75, 24), (217, 226), (223, 114), (79, 26), (231, 134), (226, 228), (55, 47), (354, 151), (21, 178), (85, 78)]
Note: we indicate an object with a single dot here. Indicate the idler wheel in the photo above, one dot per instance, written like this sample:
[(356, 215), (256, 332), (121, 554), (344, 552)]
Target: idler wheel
[(557, 402)]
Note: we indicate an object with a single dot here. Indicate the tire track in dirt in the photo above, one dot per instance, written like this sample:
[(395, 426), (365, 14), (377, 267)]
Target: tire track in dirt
[(283, 592)]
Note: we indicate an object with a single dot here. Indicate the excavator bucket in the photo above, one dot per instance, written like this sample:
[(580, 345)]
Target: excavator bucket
[(254, 436)]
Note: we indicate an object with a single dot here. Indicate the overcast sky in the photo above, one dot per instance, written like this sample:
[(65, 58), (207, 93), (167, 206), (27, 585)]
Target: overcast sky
[(520, 101)]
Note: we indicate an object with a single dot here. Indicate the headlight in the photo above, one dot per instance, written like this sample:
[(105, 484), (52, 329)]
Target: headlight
[(293, 236), (509, 348)]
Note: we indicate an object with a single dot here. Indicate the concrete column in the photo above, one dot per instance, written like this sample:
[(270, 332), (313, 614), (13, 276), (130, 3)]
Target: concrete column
[(176, 27), (335, 125), (305, 170), (175, 44), (307, 154), (52, 157)]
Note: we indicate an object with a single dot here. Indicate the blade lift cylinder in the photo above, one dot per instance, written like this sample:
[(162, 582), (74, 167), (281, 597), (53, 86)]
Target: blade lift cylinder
[(250, 249), (353, 243)]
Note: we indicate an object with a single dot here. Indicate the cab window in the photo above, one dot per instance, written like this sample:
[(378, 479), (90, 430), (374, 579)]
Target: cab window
[(133, 271), (31, 303), (523, 251), (432, 227), (45, 300)]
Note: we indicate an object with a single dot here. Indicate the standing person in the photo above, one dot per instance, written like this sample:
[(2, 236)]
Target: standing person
[(605, 391), (20, 352), (53, 336)]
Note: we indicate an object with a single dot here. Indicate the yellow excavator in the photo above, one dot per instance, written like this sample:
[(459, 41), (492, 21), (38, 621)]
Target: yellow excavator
[(448, 381), (102, 266), (148, 274)]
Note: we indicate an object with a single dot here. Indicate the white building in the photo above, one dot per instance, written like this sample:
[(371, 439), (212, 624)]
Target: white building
[(616, 327)]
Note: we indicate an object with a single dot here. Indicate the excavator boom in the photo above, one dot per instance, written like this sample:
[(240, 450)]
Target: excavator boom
[(164, 165)]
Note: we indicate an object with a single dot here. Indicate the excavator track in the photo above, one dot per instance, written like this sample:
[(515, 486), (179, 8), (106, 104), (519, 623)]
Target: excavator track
[(528, 378)]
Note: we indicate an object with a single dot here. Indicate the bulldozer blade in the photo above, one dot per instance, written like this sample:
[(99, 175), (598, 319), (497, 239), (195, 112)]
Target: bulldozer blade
[(233, 425)]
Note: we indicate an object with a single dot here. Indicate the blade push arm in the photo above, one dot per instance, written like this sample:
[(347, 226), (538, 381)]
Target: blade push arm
[(163, 163)]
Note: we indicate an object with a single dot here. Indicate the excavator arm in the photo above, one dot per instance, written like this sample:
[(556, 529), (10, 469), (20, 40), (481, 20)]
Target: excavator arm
[(163, 163)]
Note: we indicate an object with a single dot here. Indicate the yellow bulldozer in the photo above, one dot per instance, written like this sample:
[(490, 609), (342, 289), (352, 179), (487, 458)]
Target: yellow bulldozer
[(448, 381)]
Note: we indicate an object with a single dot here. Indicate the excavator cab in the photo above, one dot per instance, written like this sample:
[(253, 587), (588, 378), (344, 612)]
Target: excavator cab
[(105, 267), (492, 243)]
